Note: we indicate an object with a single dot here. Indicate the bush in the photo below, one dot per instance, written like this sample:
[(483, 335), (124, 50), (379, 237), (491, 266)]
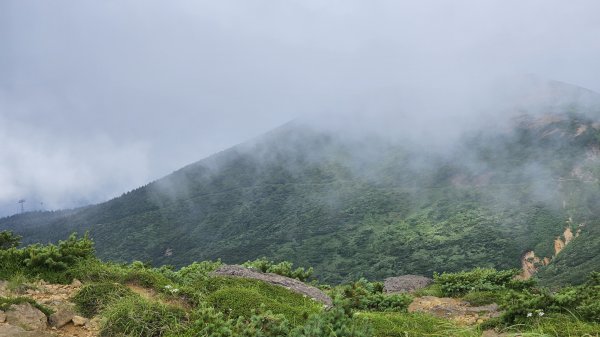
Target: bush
[(135, 316), (197, 271), (49, 262), (337, 322), (92, 298), (207, 321), (241, 301), (582, 301), (134, 273), (365, 295), (459, 284), (284, 268), (9, 240)]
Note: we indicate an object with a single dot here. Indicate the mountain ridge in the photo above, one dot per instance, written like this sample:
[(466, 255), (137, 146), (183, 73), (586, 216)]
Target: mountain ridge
[(355, 205)]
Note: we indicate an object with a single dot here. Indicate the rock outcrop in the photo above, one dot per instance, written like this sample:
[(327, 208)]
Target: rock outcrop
[(286, 282), (455, 309), (405, 284), (26, 316)]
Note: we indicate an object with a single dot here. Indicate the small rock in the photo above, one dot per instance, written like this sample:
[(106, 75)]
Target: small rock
[(76, 283), (93, 324), (26, 316), (2, 316), (79, 321), (63, 315)]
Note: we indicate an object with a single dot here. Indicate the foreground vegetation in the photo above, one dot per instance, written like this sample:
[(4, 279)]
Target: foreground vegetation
[(193, 302)]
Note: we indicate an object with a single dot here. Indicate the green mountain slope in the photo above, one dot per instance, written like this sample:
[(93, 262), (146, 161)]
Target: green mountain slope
[(364, 206)]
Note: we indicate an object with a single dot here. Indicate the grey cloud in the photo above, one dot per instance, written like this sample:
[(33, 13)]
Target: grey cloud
[(149, 86)]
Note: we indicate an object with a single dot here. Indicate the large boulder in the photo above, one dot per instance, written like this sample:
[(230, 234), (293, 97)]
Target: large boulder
[(286, 282), (405, 284), (26, 316), (15, 331)]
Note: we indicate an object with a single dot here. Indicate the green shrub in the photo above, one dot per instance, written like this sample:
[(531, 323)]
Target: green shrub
[(95, 270), (365, 295), (206, 321), (337, 322), (581, 301), (284, 268), (478, 298), (239, 301), (431, 290), (9, 240), (49, 262), (458, 284), (94, 297), (135, 316), (134, 273), (195, 272)]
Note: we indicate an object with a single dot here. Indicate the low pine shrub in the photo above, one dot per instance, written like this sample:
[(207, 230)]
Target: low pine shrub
[(195, 272), (479, 279), (284, 268), (365, 295), (479, 298), (241, 301), (49, 262)]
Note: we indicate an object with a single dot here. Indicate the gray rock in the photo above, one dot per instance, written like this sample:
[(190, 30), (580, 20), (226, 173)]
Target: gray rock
[(79, 321), (62, 316), (26, 316), (286, 282), (405, 284), (15, 331)]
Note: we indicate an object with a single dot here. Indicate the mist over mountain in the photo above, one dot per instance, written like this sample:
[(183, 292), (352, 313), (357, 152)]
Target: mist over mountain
[(367, 197)]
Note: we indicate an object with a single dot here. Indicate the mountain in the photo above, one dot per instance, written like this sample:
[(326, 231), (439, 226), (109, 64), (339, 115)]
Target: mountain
[(355, 204)]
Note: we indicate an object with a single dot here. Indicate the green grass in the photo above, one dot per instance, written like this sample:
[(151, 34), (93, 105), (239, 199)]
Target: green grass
[(94, 297), (415, 324), (137, 317), (430, 290), (479, 298), (239, 297), (556, 326), (6, 302), (98, 271)]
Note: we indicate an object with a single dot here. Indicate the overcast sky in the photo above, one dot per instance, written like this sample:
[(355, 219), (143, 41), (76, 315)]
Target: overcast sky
[(99, 97)]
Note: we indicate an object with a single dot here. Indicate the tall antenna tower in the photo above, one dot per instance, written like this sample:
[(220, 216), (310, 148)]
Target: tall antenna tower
[(22, 202)]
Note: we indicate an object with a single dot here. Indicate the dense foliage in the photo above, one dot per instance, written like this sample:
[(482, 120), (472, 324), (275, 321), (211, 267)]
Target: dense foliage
[(353, 207), (49, 262), (457, 284), (369, 296), (284, 268), (137, 299)]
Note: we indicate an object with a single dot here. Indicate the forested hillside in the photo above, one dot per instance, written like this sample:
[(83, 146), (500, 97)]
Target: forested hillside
[(355, 206)]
